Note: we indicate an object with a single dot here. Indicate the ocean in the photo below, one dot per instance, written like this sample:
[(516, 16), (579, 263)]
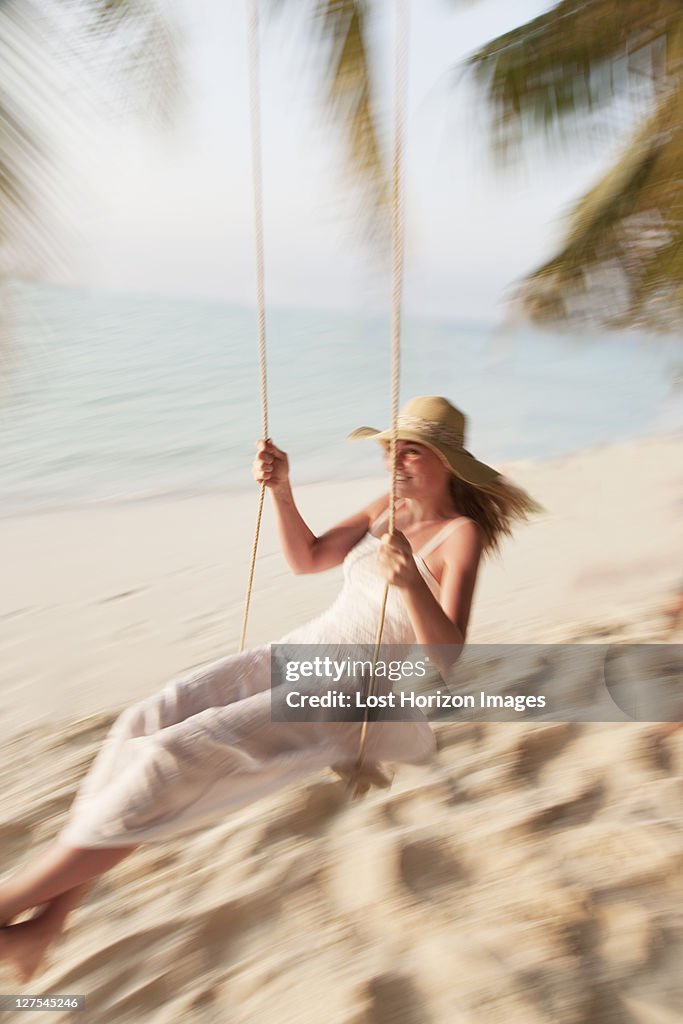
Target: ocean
[(109, 397)]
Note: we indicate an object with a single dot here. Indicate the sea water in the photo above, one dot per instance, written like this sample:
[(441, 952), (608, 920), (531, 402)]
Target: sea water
[(107, 397)]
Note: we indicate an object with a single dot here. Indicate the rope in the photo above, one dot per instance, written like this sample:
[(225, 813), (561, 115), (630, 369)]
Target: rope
[(356, 782), (257, 177)]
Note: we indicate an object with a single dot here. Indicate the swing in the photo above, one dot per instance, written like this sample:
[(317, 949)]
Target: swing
[(362, 775)]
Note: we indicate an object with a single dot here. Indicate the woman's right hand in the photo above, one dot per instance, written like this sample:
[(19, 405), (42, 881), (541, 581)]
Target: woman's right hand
[(271, 465)]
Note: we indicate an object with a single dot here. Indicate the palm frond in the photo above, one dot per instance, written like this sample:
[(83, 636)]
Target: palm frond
[(339, 34), (622, 262), (59, 61), (350, 98), (134, 47), (26, 132), (573, 59)]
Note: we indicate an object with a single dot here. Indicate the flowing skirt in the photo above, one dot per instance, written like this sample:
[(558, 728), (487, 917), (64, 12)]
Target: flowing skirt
[(206, 745)]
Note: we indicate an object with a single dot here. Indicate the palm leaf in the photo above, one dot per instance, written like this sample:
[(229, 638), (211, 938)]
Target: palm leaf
[(350, 100), (573, 59), (25, 131), (53, 55), (132, 46), (622, 262), (340, 41)]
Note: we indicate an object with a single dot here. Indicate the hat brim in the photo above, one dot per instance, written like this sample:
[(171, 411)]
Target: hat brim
[(457, 460)]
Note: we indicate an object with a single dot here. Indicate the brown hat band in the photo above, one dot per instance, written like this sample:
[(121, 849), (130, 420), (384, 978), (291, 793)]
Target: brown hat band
[(441, 433)]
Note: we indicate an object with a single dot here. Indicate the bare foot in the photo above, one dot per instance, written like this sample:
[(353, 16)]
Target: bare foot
[(24, 945)]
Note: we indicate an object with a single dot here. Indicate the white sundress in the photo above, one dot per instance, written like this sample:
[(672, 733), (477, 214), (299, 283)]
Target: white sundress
[(206, 744)]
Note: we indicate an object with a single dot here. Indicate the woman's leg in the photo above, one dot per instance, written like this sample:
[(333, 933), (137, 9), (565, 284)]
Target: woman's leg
[(64, 865), (24, 945), (55, 882), (58, 870)]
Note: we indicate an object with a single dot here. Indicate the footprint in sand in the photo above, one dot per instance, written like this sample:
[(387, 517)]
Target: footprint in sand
[(428, 866), (394, 999), (317, 807), (538, 746), (563, 811)]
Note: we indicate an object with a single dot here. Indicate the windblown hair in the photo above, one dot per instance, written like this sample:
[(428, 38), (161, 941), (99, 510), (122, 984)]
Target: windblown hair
[(494, 507)]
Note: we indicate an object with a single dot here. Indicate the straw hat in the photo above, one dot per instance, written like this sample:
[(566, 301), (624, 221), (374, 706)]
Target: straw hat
[(434, 422)]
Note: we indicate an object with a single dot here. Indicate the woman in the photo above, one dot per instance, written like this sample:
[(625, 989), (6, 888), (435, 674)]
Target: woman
[(207, 743)]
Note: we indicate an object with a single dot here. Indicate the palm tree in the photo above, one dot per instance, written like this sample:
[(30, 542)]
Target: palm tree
[(621, 263), (621, 260), (349, 98), (60, 60), (56, 52)]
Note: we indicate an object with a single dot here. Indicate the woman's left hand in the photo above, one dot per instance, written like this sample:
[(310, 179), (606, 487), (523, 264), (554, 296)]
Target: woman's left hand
[(395, 561)]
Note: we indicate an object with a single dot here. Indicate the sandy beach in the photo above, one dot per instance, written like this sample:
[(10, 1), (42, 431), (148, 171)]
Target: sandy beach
[(530, 874)]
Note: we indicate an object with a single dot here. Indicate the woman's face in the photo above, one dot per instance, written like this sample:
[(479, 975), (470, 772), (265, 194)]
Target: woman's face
[(419, 470)]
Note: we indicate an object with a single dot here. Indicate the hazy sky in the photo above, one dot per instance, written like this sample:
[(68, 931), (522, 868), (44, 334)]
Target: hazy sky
[(172, 212)]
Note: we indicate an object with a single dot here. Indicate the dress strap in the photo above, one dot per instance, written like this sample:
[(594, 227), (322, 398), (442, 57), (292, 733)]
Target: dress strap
[(440, 536)]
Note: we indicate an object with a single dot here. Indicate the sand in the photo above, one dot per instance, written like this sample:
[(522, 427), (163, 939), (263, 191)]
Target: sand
[(531, 873)]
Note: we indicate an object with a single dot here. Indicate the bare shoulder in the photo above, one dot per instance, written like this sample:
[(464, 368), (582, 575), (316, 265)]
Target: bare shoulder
[(363, 518), (461, 553), (465, 543), (375, 509)]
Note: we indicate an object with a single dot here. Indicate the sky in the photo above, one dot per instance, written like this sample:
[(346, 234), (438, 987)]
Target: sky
[(170, 211)]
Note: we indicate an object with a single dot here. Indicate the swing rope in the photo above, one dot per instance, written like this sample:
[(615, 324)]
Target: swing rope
[(359, 781), (361, 776), (257, 179)]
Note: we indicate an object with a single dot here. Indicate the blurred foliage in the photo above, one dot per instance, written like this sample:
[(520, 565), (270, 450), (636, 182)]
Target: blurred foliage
[(341, 42), (59, 60), (619, 265), (622, 258), (349, 88)]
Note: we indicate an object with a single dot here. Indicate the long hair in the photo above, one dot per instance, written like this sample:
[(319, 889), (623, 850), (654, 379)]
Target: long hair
[(494, 507)]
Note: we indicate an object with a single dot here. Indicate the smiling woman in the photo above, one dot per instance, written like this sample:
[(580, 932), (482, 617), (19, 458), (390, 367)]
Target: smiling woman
[(432, 436), (208, 743)]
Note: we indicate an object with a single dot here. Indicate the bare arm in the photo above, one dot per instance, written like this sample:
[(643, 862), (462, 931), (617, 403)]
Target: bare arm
[(443, 621), (304, 551)]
